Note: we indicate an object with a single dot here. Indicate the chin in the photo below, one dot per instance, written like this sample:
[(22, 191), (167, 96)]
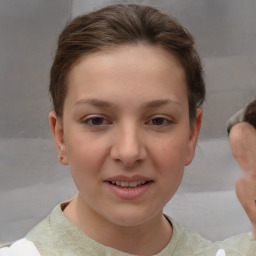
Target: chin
[(131, 217)]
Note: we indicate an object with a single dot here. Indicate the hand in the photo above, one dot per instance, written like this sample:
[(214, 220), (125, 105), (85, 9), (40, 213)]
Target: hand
[(242, 140)]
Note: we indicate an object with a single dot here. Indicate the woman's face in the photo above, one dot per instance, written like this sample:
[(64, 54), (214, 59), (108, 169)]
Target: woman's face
[(125, 132)]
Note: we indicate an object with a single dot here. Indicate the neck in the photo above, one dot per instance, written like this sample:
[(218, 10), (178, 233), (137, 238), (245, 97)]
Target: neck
[(147, 238)]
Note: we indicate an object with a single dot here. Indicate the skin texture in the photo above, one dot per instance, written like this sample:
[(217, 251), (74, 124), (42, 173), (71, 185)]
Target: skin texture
[(126, 113), (242, 140)]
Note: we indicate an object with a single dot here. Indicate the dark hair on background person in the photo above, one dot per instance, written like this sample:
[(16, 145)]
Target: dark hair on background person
[(125, 24)]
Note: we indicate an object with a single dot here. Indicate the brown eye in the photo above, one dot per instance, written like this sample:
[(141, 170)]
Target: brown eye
[(95, 121), (158, 121)]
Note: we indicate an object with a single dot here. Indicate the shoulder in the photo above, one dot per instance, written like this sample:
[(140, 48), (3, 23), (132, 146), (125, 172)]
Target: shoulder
[(189, 243), (187, 237), (186, 242), (51, 235), (242, 245), (19, 248)]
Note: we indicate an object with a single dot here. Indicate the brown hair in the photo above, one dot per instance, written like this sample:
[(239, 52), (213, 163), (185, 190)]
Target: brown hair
[(121, 24), (250, 113)]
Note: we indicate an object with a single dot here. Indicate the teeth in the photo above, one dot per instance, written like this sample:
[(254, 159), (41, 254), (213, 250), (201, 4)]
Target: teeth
[(133, 184), (125, 184)]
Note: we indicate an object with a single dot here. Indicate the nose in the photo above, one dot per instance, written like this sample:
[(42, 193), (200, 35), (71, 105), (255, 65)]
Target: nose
[(128, 146)]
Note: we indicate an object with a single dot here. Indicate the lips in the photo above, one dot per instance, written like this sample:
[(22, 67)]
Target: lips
[(129, 187), (126, 184)]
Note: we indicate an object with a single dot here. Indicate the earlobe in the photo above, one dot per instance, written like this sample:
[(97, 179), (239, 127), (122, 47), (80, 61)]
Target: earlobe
[(194, 133), (58, 135)]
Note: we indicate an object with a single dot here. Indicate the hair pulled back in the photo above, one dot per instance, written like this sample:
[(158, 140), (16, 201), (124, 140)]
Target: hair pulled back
[(125, 24)]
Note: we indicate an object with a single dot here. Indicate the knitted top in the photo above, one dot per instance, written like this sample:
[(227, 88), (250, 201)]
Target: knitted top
[(58, 236)]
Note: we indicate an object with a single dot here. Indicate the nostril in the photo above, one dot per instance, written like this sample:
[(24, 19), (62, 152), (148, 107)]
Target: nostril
[(131, 164)]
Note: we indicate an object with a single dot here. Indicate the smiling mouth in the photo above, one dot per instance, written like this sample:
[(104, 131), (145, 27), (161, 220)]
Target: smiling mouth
[(130, 184)]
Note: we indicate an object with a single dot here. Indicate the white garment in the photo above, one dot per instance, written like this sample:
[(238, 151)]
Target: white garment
[(221, 252), (21, 247)]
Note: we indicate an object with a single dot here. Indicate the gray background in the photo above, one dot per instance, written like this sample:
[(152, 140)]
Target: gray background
[(31, 179)]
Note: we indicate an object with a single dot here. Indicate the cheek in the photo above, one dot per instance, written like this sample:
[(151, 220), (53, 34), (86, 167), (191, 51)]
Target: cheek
[(169, 165), (169, 161), (86, 155), (85, 161), (172, 152)]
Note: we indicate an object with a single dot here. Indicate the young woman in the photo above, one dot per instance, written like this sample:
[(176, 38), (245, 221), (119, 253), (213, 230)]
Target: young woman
[(127, 87)]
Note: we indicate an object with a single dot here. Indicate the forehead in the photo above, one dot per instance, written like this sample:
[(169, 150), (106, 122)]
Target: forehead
[(141, 68), (150, 54)]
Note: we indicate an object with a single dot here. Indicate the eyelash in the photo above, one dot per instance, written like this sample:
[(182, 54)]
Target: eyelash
[(103, 121), (89, 121), (166, 121)]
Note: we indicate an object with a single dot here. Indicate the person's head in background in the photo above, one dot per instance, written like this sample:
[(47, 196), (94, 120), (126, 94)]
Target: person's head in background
[(127, 87)]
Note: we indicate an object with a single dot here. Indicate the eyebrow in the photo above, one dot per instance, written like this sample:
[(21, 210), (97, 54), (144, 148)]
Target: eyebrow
[(159, 103), (107, 104), (95, 102)]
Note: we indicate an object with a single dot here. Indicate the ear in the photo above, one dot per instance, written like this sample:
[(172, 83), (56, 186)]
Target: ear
[(193, 136), (58, 135)]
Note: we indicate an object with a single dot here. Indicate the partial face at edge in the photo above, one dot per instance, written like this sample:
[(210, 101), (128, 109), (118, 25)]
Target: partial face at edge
[(126, 117)]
